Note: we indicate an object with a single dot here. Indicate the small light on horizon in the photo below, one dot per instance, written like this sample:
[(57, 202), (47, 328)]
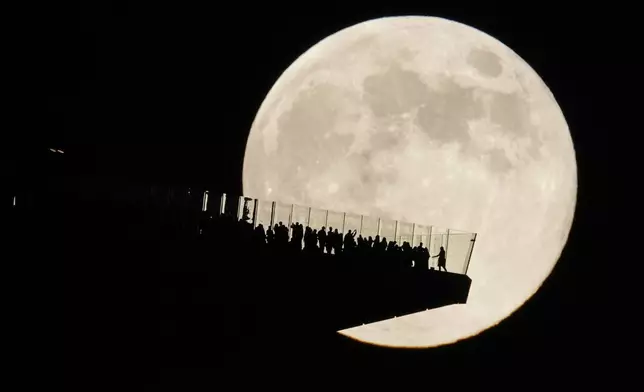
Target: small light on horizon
[(61, 151), (14, 201), (52, 150)]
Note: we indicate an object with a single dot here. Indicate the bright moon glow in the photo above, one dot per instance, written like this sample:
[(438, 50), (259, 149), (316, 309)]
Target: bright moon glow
[(425, 120)]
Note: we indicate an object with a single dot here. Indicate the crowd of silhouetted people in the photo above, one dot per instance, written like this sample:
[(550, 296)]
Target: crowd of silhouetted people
[(330, 241)]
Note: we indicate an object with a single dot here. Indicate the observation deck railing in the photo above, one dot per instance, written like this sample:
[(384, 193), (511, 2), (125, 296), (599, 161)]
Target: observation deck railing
[(458, 244)]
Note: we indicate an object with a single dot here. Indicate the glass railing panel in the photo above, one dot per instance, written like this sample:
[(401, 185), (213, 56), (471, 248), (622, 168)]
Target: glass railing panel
[(421, 235), (318, 218), (204, 201), (404, 232), (352, 222), (369, 227), (264, 213), (244, 209), (437, 239), (387, 229), (300, 215), (231, 202), (251, 211), (334, 220), (221, 203), (458, 246), (236, 205), (282, 213)]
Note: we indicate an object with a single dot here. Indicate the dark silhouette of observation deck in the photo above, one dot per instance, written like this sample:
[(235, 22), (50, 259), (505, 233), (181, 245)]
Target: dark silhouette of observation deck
[(203, 277), (339, 287)]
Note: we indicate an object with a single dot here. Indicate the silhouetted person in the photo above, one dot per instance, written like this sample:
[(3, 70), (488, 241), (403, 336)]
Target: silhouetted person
[(406, 255), (329, 240), (281, 235), (383, 244), (296, 236), (421, 258), (270, 236), (337, 242), (260, 235), (349, 242), (307, 238), (391, 246), (441, 259), (322, 238), (310, 240), (300, 235)]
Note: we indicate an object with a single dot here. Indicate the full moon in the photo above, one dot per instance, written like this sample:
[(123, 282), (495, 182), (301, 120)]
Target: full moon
[(425, 120)]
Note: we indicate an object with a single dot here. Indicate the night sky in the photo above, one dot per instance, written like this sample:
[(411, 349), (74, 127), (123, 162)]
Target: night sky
[(165, 92), (161, 93)]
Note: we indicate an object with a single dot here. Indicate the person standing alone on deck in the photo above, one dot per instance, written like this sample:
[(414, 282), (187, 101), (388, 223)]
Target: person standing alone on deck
[(441, 259)]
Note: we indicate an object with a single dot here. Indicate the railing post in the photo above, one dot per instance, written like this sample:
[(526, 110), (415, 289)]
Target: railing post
[(326, 219), (222, 204), (378, 230), (429, 244), (344, 218), (396, 231), (469, 256), (255, 211), (240, 207), (413, 234), (308, 218), (361, 220), (273, 207), (290, 221), (204, 206)]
